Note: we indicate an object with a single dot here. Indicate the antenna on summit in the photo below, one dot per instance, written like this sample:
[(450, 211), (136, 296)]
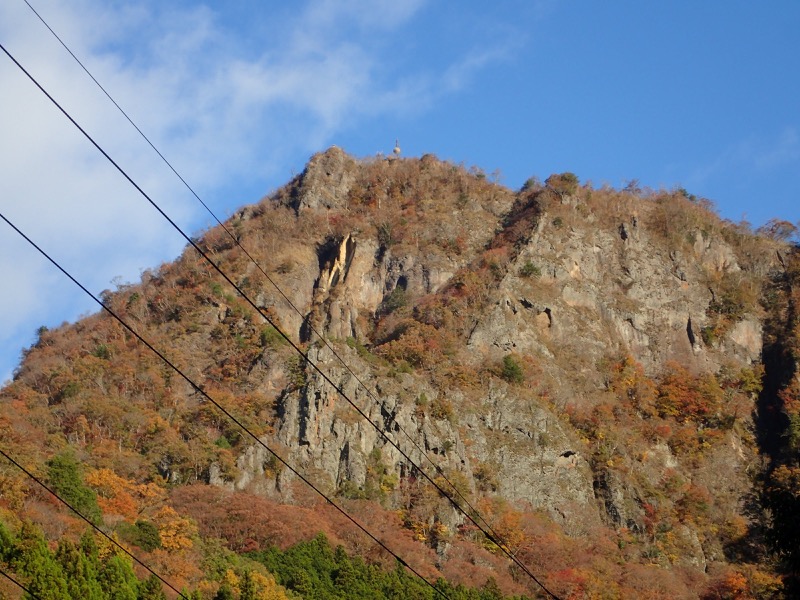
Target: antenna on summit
[(396, 150)]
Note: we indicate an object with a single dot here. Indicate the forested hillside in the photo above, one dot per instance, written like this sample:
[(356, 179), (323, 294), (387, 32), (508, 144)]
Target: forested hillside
[(603, 380)]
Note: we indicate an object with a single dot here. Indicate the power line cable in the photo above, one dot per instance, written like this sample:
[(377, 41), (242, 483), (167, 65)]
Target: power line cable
[(125, 114), (224, 411), (72, 508), (23, 587), (489, 534), (257, 265), (437, 468), (235, 239), (493, 537)]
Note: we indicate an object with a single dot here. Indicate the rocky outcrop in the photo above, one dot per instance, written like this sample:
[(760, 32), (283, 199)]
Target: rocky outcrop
[(569, 298), (325, 182), (578, 365), (611, 291)]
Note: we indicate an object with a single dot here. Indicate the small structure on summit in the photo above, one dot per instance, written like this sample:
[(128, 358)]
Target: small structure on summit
[(396, 150)]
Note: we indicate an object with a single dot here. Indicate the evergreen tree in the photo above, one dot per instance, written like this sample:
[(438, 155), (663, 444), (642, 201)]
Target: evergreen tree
[(344, 577), (34, 561), (147, 536), (6, 544), (224, 593), (491, 591), (80, 572), (64, 474), (300, 581), (151, 589), (247, 589), (118, 579), (89, 549)]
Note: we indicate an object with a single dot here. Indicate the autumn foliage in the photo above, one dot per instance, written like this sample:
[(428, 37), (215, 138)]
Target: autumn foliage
[(121, 436)]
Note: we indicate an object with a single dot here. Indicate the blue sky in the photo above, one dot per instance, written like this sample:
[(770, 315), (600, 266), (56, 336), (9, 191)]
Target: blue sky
[(238, 95)]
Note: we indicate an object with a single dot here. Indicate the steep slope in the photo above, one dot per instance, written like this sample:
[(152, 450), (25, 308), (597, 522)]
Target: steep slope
[(779, 416), (581, 364)]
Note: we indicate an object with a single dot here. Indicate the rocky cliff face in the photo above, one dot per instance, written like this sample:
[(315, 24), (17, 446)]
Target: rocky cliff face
[(576, 353), (576, 289)]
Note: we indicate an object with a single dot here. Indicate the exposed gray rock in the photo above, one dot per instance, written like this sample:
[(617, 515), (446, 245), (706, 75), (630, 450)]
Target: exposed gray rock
[(602, 292), (326, 181)]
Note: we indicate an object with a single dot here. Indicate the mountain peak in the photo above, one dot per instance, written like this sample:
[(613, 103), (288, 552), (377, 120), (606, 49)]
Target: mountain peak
[(581, 364)]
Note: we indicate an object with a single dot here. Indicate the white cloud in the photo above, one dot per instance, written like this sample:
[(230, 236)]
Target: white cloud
[(218, 107), (779, 153), (324, 17), (752, 157), (458, 75)]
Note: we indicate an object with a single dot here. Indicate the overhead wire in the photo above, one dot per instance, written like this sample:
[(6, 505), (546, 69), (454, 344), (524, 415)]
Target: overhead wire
[(121, 110), (75, 510), (471, 516), (199, 389), (461, 497), (237, 241), (23, 587), (489, 534)]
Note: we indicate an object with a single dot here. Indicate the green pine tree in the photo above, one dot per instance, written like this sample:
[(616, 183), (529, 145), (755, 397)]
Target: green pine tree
[(88, 546), (80, 572), (34, 561), (151, 589), (247, 589), (224, 593), (344, 577), (7, 544), (491, 591), (118, 579), (64, 474)]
